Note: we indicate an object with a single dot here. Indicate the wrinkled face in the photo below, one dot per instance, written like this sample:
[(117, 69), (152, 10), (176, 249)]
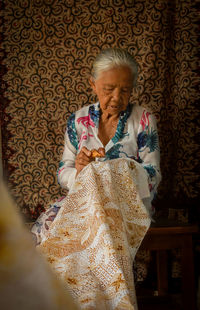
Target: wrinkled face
[(113, 89)]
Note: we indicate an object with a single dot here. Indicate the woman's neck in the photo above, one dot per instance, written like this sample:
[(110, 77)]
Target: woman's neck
[(107, 127), (106, 117)]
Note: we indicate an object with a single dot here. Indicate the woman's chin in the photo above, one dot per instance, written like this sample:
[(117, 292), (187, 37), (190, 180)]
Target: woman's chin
[(115, 110), (112, 111)]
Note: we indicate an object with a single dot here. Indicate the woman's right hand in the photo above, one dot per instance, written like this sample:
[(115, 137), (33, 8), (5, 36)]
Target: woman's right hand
[(84, 158)]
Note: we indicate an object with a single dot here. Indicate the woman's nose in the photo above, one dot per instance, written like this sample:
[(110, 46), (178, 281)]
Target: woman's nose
[(116, 94)]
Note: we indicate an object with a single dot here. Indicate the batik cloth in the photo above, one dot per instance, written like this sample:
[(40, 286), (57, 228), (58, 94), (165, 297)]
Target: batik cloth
[(92, 241)]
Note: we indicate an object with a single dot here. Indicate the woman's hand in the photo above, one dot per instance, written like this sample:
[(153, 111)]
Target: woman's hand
[(84, 158)]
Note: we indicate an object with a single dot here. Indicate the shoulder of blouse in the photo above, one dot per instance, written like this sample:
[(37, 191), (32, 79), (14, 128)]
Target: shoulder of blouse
[(86, 116), (141, 117), (138, 110), (78, 121), (84, 111)]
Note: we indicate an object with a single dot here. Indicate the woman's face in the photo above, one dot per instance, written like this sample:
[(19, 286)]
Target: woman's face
[(113, 89)]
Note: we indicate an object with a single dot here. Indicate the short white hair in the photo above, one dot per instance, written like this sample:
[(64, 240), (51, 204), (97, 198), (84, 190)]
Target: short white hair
[(111, 58)]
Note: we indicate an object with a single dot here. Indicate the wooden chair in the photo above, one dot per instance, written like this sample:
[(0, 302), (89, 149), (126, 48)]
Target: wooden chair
[(162, 239)]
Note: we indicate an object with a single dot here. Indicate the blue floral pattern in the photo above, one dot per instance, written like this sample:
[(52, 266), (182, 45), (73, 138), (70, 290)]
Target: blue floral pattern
[(71, 130), (115, 152), (94, 114), (44, 222), (121, 124), (148, 139), (61, 163), (151, 170)]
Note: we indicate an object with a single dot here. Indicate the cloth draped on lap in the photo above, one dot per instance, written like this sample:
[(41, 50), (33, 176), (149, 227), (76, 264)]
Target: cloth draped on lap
[(93, 239)]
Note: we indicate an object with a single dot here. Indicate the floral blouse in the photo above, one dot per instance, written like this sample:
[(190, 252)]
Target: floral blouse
[(135, 138)]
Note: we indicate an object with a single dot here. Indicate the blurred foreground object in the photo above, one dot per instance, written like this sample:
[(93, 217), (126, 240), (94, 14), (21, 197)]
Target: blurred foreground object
[(26, 281)]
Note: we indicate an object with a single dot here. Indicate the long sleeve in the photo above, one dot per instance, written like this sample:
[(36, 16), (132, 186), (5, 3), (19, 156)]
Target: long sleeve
[(67, 172), (148, 150)]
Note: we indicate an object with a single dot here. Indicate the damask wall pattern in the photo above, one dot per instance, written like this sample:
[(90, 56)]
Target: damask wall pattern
[(47, 52)]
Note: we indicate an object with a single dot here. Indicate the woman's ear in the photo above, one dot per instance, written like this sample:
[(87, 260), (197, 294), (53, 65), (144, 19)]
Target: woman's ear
[(92, 84)]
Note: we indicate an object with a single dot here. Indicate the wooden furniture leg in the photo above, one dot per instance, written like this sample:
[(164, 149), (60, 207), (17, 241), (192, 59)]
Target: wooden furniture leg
[(188, 279), (162, 272)]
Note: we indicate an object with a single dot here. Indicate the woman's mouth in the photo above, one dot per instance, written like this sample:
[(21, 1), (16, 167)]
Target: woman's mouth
[(114, 107)]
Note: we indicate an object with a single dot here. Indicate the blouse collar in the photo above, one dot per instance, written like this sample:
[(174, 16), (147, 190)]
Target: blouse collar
[(95, 112)]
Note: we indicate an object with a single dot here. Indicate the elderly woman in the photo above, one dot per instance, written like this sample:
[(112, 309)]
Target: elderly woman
[(113, 126), (92, 235)]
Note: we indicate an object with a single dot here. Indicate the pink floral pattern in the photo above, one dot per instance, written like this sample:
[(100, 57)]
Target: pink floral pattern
[(86, 121), (145, 119), (83, 137)]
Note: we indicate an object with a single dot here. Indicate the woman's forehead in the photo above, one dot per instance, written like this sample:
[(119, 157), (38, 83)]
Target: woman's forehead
[(116, 76), (121, 75)]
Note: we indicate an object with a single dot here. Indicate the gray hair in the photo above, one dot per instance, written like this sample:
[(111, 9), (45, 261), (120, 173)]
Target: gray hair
[(114, 57)]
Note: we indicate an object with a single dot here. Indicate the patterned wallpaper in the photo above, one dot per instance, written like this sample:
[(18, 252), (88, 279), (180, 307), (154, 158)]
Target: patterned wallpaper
[(1, 164), (47, 50)]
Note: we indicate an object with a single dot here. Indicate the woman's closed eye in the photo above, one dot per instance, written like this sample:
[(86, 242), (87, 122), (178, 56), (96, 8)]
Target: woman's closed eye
[(111, 89), (125, 90), (108, 89)]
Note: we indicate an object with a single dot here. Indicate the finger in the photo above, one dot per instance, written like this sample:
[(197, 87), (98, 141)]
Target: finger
[(86, 151), (101, 150), (79, 168), (80, 163), (82, 157), (83, 161)]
